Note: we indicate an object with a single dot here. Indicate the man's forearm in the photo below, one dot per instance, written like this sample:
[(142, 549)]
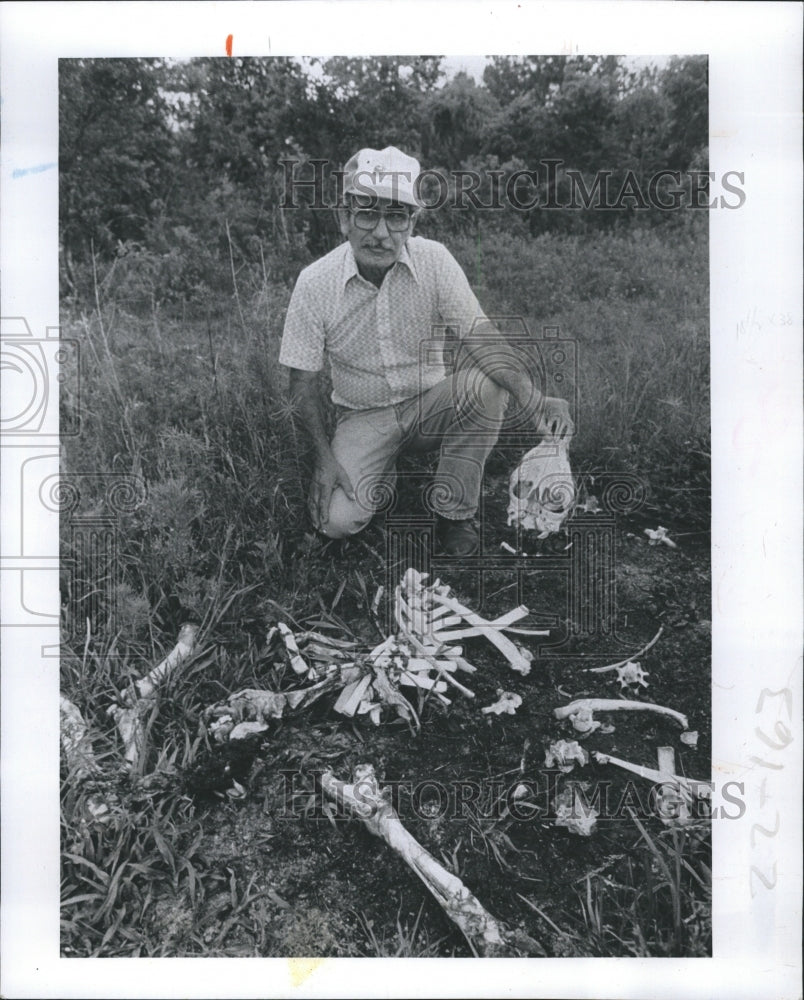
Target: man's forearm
[(505, 366), (306, 399)]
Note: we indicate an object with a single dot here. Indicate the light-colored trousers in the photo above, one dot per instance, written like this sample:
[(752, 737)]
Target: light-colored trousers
[(460, 416)]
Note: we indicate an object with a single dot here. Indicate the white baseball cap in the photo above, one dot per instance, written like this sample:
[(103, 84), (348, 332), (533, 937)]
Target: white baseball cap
[(383, 173)]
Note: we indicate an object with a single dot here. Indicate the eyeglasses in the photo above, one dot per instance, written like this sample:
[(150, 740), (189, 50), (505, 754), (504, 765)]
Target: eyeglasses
[(396, 219)]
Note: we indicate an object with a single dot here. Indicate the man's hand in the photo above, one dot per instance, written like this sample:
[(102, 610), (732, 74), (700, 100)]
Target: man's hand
[(328, 475), (548, 415), (556, 420)]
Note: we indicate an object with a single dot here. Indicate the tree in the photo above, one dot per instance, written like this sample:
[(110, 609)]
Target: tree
[(685, 83), (458, 115), (115, 153)]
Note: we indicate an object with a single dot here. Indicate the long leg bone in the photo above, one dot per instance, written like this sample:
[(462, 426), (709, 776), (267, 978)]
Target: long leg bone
[(146, 686), (364, 801), (580, 712), (140, 698)]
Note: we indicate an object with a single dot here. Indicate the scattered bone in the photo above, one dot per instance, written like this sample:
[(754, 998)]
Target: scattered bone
[(327, 641), (629, 659), (541, 489), (364, 801), (237, 791), (584, 721), (80, 757), (574, 813), (508, 548), (244, 729), (423, 612), (563, 755), (297, 661), (507, 703), (590, 505), (251, 710), (580, 712), (146, 686), (75, 741), (132, 729), (140, 698), (690, 738), (676, 792), (659, 535), (631, 675), (664, 773)]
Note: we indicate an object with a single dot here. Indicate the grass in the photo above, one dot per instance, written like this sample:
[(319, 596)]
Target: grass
[(194, 406)]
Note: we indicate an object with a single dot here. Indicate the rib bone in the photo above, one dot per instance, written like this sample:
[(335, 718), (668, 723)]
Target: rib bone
[(629, 659)]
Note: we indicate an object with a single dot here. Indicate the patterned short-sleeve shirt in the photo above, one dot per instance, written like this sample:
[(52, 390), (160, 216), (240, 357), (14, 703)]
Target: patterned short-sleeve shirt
[(384, 345)]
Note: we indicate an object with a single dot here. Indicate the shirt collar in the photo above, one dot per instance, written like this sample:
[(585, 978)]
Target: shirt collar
[(350, 264)]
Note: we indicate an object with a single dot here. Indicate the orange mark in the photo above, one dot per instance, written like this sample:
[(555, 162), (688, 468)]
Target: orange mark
[(229, 44)]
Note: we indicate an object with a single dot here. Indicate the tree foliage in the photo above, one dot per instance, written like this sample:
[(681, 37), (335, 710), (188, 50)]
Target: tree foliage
[(183, 165)]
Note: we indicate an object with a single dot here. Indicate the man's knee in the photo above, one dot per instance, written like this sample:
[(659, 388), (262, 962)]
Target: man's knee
[(346, 517), (481, 400)]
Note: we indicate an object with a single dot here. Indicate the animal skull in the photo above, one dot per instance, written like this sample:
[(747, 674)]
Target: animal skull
[(541, 488)]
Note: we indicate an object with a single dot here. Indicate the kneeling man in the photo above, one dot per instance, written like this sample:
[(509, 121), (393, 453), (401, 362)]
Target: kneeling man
[(376, 309)]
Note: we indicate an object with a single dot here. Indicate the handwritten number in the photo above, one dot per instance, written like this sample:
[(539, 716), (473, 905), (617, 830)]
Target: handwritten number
[(764, 763), (785, 693), (764, 830), (781, 731), (762, 879)]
